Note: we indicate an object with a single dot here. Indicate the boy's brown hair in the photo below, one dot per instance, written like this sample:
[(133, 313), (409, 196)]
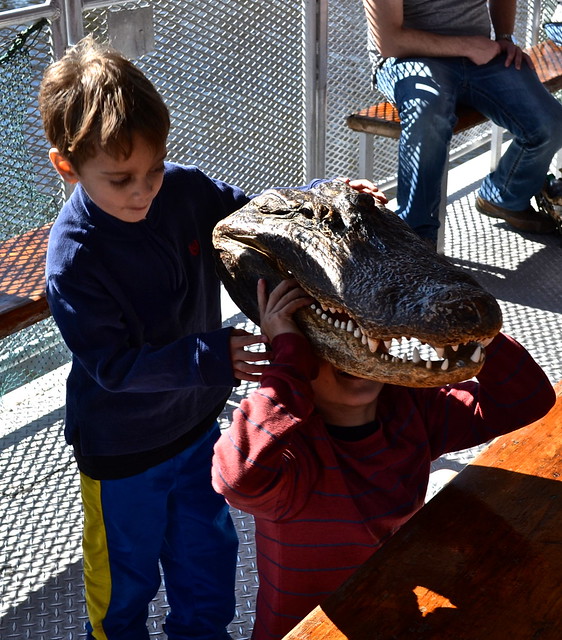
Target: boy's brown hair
[(94, 99)]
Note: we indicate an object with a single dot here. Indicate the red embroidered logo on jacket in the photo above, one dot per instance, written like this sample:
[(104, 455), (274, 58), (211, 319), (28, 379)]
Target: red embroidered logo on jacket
[(194, 248)]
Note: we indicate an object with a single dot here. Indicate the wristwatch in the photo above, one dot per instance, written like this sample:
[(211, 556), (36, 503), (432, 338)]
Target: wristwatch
[(505, 36)]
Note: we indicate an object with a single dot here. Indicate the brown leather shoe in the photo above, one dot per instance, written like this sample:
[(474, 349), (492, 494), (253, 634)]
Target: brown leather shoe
[(527, 220)]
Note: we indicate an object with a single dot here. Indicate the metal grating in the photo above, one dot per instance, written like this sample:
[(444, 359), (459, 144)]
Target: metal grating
[(232, 74)]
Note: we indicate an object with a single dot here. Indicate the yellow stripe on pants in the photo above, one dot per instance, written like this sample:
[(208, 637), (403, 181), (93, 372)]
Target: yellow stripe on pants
[(97, 576)]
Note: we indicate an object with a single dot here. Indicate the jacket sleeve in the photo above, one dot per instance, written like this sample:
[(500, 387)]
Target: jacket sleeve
[(511, 391), (258, 459), (90, 322)]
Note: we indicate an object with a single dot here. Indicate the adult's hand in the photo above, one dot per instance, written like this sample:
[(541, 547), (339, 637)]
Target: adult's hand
[(362, 185), (514, 54), (481, 50)]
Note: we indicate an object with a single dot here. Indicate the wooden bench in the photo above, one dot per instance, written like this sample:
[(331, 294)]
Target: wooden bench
[(483, 559), (22, 280), (382, 120)]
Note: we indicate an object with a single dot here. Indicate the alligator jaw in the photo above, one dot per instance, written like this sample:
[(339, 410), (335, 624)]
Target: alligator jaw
[(341, 342), (347, 346)]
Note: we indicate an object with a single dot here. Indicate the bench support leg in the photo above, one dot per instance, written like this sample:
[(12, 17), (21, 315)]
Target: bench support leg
[(496, 146), (366, 151)]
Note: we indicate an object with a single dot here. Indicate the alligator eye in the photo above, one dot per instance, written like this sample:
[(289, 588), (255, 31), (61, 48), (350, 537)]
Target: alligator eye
[(307, 210)]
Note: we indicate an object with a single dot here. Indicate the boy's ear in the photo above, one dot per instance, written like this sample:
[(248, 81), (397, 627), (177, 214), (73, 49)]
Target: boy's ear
[(63, 166)]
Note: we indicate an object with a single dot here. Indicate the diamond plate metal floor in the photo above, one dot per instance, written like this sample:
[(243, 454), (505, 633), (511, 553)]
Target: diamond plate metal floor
[(40, 520)]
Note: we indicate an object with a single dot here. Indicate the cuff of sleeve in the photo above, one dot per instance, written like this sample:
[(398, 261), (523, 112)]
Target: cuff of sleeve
[(213, 358), (295, 350), (500, 354)]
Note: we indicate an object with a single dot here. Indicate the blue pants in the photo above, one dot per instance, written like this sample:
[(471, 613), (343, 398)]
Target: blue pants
[(168, 514), (426, 92)]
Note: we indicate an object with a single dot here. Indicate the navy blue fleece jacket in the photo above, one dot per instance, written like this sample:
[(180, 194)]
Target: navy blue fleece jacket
[(138, 304)]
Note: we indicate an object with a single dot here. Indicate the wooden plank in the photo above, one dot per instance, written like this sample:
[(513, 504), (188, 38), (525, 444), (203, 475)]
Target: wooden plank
[(483, 559), (547, 58), (22, 280), (382, 118)]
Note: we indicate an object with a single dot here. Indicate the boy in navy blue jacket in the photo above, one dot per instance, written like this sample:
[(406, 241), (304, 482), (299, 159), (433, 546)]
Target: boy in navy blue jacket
[(132, 286)]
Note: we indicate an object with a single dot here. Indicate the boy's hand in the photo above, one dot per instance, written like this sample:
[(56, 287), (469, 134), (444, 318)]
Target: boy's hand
[(366, 186), (277, 308), (243, 361)]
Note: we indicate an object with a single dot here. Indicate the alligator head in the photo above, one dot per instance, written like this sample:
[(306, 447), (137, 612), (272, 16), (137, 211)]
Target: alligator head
[(379, 289)]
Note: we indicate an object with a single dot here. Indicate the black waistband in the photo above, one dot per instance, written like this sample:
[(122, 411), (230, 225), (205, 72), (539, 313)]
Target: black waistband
[(124, 466)]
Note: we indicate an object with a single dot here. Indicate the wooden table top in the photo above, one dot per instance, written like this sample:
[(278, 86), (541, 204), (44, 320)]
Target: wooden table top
[(481, 561)]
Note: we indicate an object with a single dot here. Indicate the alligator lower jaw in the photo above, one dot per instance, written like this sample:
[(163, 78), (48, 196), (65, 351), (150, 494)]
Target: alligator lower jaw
[(344, 345)]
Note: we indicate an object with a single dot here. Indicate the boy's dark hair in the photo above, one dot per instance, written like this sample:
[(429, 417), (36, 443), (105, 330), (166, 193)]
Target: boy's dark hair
[(94, 99)]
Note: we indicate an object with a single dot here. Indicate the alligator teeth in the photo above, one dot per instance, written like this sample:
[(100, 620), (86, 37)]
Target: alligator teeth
[(404, 353), (475, 357)]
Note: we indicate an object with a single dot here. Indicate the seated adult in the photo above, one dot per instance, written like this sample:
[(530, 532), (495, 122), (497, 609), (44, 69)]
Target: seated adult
[(430, 55), (332, 465)]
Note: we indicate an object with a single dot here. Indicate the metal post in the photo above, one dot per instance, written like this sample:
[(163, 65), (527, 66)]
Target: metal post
[(74, 20), (316, 64), (535, 18), (59, 38)]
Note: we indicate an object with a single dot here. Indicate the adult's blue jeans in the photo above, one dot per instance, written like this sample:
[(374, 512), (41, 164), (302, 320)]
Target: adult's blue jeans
[(169, 514), (426, 92)]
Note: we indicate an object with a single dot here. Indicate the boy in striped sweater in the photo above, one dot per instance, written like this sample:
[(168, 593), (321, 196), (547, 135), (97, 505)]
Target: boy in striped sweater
[(331, 465)]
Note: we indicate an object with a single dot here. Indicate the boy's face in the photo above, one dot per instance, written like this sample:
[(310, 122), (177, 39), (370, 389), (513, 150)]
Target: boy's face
[(343, 399), (124, 189)]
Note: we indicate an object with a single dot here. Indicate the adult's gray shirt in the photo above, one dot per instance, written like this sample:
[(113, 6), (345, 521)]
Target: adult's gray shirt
[(445, 17), (448, 17)]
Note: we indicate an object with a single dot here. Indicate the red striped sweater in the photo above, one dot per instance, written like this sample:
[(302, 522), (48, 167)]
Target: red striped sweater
[(322, 506)]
